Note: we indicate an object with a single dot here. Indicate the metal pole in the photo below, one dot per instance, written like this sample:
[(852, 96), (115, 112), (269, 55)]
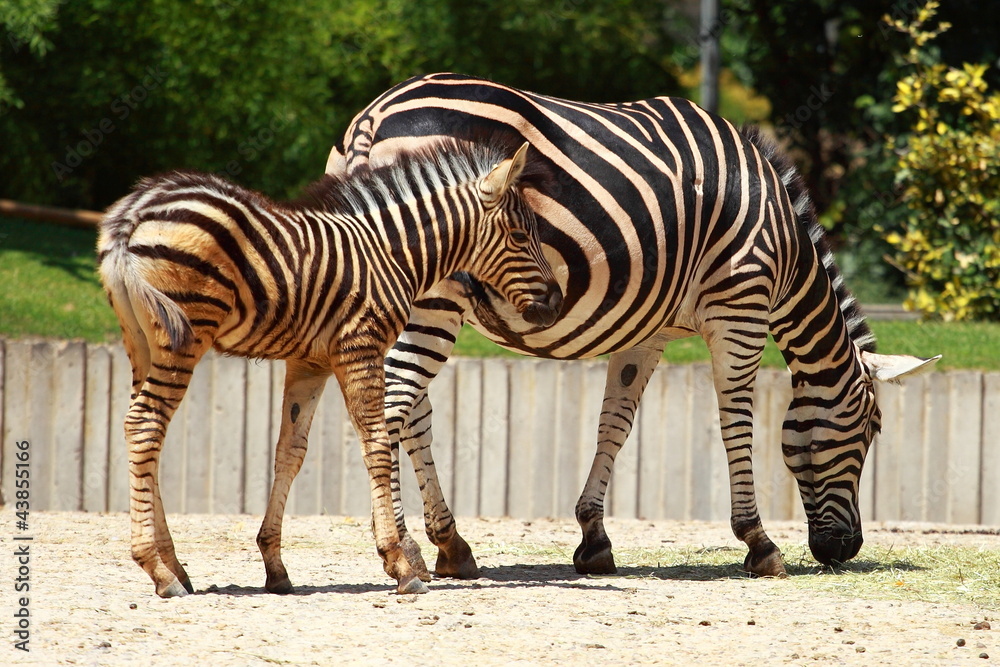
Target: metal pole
[(709, 37)]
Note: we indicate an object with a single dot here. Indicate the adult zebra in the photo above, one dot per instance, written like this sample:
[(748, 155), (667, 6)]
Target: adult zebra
[(668, 222), (191, 261)]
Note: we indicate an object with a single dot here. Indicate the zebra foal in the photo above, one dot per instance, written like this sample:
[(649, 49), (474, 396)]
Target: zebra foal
[(190, 262)]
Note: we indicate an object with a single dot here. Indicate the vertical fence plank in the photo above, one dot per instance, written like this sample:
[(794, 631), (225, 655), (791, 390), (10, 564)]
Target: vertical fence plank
[(522, 404), (121, 391), (258, 464), (328, 429), (40, 424), (913, 474), (989, 483), (468, 435), (228, 424), (964, 450), (17, 362), (97, 428), (675, 442), (710, 479), (493, 460), (543, 466), (67, 399), (886, 454), (566, 444), (937, 479), (650, 445)]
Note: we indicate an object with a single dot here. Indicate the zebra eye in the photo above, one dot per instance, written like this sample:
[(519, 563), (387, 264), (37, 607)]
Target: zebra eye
[(519, 237)]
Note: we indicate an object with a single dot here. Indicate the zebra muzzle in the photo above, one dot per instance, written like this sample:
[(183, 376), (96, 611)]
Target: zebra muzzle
[(544, 311)]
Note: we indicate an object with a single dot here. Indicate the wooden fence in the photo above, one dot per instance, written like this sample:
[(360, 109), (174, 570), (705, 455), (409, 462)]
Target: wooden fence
[(512, 437)]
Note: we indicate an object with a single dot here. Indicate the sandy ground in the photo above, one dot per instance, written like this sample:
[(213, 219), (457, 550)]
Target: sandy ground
[(91, 605)]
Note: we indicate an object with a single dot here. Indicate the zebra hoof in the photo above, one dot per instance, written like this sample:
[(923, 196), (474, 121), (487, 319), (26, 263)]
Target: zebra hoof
[(768, 565), (413, 556), (410, 586), (174, 590), (458, 562), (594, 559), (283, 587)]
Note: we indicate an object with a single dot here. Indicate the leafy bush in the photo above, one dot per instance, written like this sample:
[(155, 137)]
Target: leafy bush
[(949, 173)]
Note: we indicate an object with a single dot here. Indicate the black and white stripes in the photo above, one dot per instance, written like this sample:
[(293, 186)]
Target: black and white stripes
[(665, 222), (191, 261)]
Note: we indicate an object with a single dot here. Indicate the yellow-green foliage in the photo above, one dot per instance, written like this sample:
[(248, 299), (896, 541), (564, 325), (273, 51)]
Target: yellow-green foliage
[(949, 172)]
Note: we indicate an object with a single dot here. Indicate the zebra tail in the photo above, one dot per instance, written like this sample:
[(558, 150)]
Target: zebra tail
[(131, 294), (805, 211)]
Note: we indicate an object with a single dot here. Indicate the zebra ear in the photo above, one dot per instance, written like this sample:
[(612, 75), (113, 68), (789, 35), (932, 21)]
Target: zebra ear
[(336, 164), (493, 187), (891, 367)]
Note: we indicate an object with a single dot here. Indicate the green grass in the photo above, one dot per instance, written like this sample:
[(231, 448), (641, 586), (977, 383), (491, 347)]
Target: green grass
[(51, 289), (50, 283)]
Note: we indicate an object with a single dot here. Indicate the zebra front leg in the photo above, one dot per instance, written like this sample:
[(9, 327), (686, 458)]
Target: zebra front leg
[(455, 557), (413, 362), (362, 382), (735, 361), (628, 373), (303, 387)]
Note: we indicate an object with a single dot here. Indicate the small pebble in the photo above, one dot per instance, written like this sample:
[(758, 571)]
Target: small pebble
[(838, 629), (751, 622), (133, 606), (468, 613), (985, 656), (379, 605), (981, 625), (595, 645), (859, 649), (960, 642), (848, 641), (138, 629), (104, 645), (705, 623)]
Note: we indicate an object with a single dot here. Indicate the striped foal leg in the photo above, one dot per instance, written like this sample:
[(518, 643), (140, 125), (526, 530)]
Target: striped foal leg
[(628, 373), (303, 387), (735, 360), (362, 381), (153, 405)]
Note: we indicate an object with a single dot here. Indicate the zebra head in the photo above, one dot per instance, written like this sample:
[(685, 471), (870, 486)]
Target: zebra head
[(827, 432), (509, 256)]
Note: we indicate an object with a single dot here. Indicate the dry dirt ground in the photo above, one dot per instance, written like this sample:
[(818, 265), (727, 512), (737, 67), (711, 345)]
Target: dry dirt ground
[(91, 605)]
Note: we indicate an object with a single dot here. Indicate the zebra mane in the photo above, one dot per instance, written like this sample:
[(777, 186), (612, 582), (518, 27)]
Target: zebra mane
[(415, 173), (805, 211)]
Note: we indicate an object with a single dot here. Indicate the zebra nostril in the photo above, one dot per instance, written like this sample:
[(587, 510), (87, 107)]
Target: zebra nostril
[(555, 300)]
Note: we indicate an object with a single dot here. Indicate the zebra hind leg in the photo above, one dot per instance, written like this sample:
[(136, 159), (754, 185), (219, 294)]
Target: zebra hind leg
[(628, 373), (154, 403), (303, 387)]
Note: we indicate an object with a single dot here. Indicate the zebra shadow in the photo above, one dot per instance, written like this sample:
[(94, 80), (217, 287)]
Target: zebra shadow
[(561, 575)]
